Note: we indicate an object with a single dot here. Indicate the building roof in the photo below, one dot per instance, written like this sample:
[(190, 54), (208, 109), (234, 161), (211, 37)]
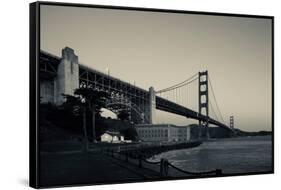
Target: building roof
[(113, 133)]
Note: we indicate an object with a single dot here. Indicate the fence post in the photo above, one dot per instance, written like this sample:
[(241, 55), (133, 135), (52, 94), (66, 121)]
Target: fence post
[(140, 161), (164, 166), (127, 159), (218, 172)]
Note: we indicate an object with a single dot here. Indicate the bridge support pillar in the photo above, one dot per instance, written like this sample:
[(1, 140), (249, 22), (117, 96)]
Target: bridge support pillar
[(67, 79), (151, 107), (231, 122), (203, 102)]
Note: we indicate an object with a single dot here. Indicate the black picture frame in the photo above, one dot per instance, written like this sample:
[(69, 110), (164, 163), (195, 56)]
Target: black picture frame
[(34, 141)]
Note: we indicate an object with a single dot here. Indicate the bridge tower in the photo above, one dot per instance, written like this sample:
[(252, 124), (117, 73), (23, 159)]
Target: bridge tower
[(231, 122), (151, 107), (203, 100), (67, 79)]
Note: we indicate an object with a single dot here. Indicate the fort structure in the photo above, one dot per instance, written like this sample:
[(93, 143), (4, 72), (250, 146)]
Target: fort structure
[(163, 133)]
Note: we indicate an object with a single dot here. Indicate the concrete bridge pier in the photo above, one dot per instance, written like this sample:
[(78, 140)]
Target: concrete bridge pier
[(151, 107), (67, 79)]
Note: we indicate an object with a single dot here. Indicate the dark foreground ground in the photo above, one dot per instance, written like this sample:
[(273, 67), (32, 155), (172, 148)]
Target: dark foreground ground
[(88, 168), (64, 163)]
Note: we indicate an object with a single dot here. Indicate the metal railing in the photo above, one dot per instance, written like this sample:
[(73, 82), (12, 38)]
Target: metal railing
[(162, 167)]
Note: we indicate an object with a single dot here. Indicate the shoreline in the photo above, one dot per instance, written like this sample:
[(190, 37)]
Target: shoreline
[(147, 149), (152, 150)]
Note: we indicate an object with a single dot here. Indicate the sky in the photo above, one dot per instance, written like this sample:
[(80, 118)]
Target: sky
[(162, 49)]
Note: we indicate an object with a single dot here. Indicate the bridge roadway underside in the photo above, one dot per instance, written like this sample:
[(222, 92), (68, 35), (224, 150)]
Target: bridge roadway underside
[(171, 107)]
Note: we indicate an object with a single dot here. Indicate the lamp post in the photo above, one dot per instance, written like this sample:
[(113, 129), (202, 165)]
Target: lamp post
[(107, 71)]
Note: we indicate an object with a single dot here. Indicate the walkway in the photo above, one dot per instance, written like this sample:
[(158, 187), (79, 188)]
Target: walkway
[(94, 167)]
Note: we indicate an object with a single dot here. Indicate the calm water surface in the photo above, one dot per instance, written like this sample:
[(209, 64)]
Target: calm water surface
[(235, 155)]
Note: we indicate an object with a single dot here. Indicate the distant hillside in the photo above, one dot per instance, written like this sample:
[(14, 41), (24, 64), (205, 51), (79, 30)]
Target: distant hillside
[(214, 132), (218, 132), (245, 133)]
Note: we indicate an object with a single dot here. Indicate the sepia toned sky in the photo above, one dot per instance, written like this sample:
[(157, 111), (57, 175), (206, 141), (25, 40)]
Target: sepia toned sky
[(162, 49)]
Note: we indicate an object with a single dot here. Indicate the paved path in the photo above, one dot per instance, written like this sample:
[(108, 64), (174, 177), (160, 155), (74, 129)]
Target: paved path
[(94, 167)]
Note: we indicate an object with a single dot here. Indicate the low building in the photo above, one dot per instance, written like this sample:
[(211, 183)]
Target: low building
[(163, 133), (112, 137)]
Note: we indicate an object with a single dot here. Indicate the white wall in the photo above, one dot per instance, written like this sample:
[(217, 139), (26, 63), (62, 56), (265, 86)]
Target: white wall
[(106, 138)]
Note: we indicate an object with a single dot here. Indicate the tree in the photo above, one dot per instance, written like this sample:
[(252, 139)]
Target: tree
[(77, 106), (93, 100), (123, 115)]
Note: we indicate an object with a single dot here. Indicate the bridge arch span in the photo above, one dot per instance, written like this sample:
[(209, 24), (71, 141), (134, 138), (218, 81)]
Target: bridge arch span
[(117, 105)]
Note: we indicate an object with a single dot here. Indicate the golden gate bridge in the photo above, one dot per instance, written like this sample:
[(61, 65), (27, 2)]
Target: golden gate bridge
[(62, 75)]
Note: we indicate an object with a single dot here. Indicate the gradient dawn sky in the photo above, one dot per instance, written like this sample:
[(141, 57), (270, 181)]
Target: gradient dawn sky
[(162, 49)]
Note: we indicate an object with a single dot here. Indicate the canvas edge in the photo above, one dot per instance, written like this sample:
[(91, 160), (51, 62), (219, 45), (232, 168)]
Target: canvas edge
[(33, 94), (34, 86)]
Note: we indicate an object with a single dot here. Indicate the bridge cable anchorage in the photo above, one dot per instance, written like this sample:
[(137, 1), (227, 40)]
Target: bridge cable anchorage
[(183, 83), (216, 103)]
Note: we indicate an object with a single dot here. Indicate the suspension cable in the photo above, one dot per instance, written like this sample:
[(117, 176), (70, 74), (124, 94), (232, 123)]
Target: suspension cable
[(176, 85), (216, 103), (212, 108)]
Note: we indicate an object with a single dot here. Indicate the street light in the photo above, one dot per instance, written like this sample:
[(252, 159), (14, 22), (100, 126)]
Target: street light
[(107, 70)]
